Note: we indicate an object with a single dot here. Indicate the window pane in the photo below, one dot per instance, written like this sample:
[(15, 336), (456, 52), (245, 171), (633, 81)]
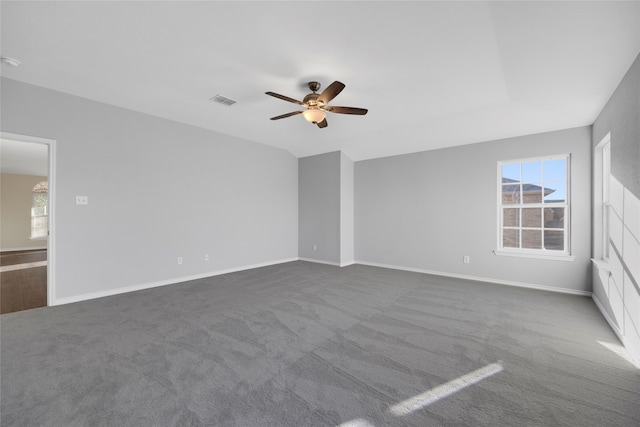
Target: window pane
[(511, 194), (534, 202), (555, 170), (532, 217), (511, 217), (555, 192), (554, 218), (39, 211), (510, 238), (532, 172), (39, 226), (532, 193), (554, 240), (40, 200), (532, 239), (511, 172)]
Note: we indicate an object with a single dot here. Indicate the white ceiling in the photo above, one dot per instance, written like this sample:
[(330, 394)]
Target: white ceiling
[(432, 74)]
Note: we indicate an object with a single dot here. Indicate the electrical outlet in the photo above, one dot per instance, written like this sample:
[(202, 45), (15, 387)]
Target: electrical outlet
[(465, 259), (82, 200), (315, 248), (206, 257), (179, 260)]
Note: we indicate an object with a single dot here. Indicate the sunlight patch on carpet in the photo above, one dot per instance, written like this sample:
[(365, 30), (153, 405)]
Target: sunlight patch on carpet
[(617, 349), (420, 401), (356, 423)]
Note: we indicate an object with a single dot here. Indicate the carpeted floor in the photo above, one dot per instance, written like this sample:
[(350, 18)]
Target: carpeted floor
[(302, 344)]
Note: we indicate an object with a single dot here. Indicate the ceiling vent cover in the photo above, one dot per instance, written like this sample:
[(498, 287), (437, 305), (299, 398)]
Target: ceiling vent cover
[(223, 100), (10, 61)]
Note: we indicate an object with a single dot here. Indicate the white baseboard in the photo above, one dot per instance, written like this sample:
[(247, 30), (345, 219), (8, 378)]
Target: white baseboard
[(320, 261), (140, 287), (479, 279), (635, 358), (606, 316), (31, 248)]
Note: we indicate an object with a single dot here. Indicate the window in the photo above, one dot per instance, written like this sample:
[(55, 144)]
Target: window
[(39, 218), (533, 206), (606, 201), (601, 198)]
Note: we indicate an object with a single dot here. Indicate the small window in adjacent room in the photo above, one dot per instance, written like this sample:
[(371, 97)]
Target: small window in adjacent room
[(39, 211), (533, 206)]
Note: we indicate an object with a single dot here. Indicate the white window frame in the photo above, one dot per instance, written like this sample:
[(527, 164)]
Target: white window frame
[(35, 215), (564, 255), (601, 198)]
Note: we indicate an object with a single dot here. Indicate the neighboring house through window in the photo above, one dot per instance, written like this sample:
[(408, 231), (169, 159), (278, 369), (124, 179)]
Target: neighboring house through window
[(533, 206), (39, 211)]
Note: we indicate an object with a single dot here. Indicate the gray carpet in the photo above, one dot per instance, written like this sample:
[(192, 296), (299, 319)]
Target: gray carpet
[(302, 344)]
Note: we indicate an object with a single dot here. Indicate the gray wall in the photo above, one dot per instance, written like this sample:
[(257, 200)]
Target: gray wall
[(346, 211), (427, 210), (157, 190), (621, 117), (615, 285), (319, 207)]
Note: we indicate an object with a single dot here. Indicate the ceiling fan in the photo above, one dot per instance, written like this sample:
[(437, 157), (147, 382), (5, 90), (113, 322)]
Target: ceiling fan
[(317, 104)]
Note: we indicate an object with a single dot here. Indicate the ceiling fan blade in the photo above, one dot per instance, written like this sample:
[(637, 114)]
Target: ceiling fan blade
[(284, 98), (323, 123), (284, 116), (347, 110), (331, 92)]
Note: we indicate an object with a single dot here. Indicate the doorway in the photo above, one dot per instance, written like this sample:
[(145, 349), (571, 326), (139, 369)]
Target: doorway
[(26, 242)]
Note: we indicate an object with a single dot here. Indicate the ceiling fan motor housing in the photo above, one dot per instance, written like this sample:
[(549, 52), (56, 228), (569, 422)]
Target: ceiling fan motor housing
[(311, 100)]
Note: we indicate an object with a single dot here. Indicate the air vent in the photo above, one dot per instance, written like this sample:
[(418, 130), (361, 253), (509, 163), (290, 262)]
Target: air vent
[(223, 100), (10, 61)]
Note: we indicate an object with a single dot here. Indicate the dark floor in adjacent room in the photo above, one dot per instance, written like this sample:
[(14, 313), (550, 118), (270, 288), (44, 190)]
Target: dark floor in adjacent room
[(302, 344), (23, 280)]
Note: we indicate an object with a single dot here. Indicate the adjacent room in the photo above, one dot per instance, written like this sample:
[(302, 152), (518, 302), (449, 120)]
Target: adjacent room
[(320, 213)]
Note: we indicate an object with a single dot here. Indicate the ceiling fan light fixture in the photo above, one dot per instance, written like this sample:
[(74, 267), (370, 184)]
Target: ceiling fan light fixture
[(314, 115), (316, 104)]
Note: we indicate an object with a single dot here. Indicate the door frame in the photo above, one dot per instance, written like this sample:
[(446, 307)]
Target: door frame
[(51, 198)]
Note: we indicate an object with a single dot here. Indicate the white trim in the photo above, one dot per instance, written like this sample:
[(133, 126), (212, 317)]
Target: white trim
[(142, 286), (43, 248), (608, 318), (321, 261), (480, 279), (635, 358), (535, 253), (601, 264), (51, 178), (599, 233), (560, 257)]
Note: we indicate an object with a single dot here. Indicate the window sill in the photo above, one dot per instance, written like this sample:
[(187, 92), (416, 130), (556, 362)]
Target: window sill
[(601, 264), (559, 257), (38, 238)]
